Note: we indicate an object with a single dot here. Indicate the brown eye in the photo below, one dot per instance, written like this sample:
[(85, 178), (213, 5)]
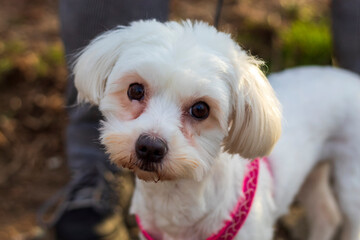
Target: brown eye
[(200, 110), (136, 91)]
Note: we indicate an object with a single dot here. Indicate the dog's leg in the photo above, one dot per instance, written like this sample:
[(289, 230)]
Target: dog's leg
[(347, 179), (322, 211)]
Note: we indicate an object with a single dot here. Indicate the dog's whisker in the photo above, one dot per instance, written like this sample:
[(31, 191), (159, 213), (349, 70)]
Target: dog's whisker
[(114, 142), (111, 137)]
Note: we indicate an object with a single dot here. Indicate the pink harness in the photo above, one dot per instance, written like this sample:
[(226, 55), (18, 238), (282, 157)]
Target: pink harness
[(243, 206)]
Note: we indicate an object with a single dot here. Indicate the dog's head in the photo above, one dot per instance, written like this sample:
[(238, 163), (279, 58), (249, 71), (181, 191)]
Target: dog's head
[(174, 95)]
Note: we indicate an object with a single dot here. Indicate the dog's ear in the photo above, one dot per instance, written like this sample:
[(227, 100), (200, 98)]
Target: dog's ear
[(255, 122), (94, 64)]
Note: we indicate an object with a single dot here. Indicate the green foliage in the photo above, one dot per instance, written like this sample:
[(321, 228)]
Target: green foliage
[(5, 65), (41, 67), (306, 42), (49, 58), (13, 47), (54, 55), (34, 63)]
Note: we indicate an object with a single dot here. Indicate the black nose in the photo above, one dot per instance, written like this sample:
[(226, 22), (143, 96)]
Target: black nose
[(150, 149)]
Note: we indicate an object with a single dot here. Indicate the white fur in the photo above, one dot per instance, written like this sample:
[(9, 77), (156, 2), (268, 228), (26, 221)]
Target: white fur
[(201, 176)]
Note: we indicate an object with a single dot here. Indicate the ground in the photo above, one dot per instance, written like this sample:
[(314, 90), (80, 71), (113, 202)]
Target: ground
[(33, 82)]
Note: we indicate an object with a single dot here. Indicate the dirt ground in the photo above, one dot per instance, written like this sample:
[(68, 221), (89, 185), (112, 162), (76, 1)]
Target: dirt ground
[(33, 81)]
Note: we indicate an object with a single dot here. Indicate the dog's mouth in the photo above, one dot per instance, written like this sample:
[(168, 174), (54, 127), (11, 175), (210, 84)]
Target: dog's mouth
[(154, 171), (148, 169)]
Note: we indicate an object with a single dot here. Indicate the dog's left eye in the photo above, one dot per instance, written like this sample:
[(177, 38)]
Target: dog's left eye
[(136, 91), (200, 110)]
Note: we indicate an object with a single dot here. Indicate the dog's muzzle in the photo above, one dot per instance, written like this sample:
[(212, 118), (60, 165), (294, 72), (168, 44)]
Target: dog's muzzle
[(150, 149)]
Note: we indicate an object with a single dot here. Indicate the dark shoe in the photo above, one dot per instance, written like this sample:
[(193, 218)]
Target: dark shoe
[(88, 224), (87, 209)]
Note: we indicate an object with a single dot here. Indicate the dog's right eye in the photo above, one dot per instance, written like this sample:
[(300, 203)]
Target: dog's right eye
[(136, 92), (200, 110)]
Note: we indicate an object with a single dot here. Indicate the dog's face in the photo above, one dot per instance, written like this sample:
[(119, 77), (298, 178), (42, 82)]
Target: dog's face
[(173, 95)]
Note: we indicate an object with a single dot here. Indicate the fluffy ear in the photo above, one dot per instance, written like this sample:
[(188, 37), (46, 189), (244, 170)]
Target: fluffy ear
[(255, 123), (94, 64)]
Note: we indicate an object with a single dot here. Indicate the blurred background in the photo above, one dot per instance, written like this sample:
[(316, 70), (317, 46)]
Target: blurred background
[(284, 33)]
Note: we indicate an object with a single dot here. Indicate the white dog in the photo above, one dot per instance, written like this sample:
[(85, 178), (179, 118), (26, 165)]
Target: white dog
[(186, 108)]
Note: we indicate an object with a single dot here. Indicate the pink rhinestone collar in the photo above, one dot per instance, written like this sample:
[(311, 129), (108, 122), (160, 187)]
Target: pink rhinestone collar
[(239, 214)]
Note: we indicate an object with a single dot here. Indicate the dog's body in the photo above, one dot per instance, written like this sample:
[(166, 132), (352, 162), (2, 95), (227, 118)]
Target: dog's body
[(202, 102), (321, 121)]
